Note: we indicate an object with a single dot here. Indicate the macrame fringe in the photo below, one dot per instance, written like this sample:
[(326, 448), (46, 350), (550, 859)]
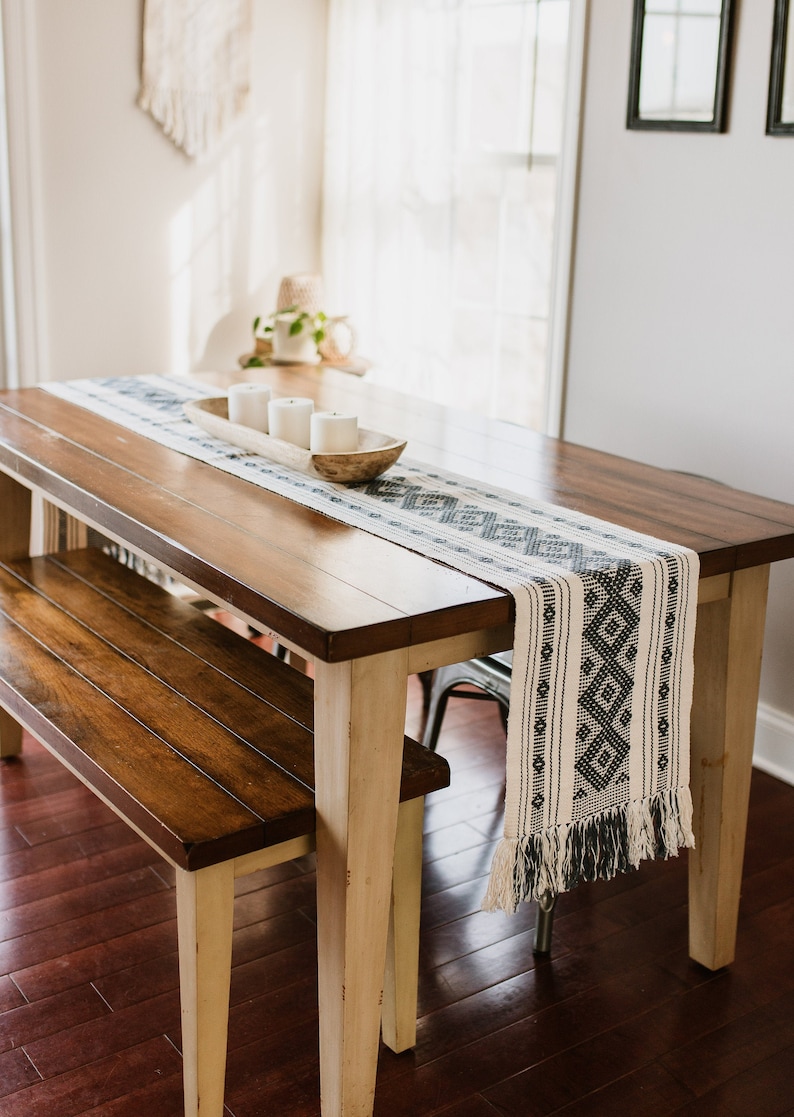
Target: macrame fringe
[(192, 119), (595, 849)]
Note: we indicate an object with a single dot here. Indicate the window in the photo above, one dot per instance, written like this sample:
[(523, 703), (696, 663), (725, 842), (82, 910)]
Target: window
[(446, 122)]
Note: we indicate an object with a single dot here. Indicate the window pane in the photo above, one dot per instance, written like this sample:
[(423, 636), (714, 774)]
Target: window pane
[(440, 233), (477, 236), (552, 53), (503, 239), (520, 385), (529, 228), (498, 62)]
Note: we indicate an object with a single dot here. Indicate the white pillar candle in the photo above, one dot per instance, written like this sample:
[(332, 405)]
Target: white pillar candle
[(333, 433), (290, 420), (248, 405)]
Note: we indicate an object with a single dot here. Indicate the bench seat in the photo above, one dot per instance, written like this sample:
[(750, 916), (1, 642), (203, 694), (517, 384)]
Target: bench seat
[(203, 743)]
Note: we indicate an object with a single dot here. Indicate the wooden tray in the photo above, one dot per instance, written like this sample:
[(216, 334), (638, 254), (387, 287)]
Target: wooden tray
[(376, 452)]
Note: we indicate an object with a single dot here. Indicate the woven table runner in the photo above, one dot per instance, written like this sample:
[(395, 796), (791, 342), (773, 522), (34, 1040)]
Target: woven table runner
[(598, 731)]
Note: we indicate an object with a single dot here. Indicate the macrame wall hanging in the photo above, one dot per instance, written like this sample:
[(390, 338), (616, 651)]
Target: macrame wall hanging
[(196, 68)]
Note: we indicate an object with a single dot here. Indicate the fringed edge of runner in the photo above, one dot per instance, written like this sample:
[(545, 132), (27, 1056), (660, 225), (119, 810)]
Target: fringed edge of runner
[(596, 848)]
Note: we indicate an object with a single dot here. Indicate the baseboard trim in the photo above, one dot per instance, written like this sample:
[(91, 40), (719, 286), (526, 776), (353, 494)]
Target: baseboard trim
[(774, 743)]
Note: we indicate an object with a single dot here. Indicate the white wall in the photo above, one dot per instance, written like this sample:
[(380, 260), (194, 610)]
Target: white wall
[(151, 261), (682, 331)]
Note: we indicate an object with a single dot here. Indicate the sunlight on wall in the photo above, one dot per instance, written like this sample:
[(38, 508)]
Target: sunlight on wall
[(248, 213), (180, 237), (202, 236), (263, 219), (250, 220), (216, 241)]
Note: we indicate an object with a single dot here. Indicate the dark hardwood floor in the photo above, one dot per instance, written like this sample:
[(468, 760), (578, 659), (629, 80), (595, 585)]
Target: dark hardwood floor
[(616, 1021)]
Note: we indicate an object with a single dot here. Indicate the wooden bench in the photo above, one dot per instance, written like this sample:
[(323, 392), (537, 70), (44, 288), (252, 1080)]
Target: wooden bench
[(203, 743)]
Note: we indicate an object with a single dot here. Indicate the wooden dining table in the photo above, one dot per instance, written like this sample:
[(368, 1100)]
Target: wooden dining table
[(368, 613)]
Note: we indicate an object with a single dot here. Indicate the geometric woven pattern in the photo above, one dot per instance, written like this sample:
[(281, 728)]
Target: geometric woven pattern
[(598, 734)]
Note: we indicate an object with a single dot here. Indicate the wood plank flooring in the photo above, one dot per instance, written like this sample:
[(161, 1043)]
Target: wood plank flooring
[(616, 1021)]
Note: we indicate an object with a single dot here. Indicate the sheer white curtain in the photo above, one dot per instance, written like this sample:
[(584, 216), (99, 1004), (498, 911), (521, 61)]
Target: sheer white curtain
[(443, 129)]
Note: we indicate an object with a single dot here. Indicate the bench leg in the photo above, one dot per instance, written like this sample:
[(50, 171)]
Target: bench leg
[(10, 735), (14, 544), (205, 912), (402, 952)]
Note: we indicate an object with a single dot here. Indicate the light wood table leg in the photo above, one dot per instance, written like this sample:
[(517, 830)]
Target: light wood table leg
[(359, 727), (205, 916), (728, 645), (15, 502)]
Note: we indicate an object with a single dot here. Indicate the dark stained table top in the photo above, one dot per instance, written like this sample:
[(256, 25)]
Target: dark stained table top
[(335, 591)]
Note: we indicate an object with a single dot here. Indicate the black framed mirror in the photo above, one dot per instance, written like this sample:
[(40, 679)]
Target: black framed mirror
[(780, 113), (680, 51)]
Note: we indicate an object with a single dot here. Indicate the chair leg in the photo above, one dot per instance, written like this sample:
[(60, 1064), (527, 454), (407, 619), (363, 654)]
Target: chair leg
[(426, 679), (543, 927), (435, 716), (205, 912), (398, 1023)]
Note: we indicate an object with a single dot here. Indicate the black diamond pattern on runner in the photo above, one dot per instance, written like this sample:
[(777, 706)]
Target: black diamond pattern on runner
[(605, 695), (394, 490), (437, 505), (608, 656), (509, 533), (562, 552), (467, 517), (612, 626), (602, 760)]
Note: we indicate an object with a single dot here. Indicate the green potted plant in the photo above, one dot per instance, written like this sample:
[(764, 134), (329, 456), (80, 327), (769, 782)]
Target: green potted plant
[(289, 336)]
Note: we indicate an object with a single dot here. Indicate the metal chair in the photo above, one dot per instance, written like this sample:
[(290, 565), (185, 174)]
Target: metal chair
[(491, 675)]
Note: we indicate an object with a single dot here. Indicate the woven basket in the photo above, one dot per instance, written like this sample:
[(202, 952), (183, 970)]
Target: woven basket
[(303, 291)]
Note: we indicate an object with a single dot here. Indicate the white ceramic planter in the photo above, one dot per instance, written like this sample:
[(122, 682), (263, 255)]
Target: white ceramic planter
[(293, 349)]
